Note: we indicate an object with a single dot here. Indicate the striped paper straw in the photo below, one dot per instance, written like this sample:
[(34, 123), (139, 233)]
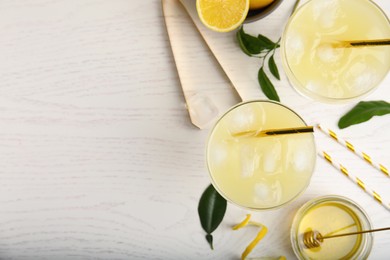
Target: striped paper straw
[(354, 178), (353, 149)]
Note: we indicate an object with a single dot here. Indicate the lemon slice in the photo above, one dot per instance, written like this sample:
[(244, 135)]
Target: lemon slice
[(222, 15)]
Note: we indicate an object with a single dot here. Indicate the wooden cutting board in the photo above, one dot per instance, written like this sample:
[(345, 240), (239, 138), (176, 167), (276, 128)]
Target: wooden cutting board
[(207, 90), (241, 69)]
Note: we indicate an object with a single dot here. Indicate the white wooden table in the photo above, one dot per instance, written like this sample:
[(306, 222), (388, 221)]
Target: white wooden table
[(98, 159)]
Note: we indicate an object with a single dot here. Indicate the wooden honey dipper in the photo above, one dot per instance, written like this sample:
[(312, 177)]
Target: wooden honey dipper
[(312, 239)]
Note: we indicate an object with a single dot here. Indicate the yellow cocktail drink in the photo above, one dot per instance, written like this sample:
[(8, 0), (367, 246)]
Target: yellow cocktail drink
[(260, 172), (313, 55)]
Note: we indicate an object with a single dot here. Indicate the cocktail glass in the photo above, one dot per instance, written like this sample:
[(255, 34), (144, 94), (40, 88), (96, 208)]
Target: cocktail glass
[(260, 172), (316, 63)]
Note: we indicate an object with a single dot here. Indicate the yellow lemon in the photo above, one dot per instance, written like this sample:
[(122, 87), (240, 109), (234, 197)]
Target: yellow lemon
[(222, 15), (256, 4)]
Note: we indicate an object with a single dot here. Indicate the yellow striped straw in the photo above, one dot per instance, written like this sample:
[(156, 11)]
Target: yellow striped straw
[(354, 150), (354, 178)]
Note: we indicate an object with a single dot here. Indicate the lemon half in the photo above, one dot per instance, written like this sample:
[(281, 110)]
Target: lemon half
[(222, 15)]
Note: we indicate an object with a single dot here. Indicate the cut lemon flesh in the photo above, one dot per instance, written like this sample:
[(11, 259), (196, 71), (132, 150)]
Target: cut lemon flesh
[(222, 15)]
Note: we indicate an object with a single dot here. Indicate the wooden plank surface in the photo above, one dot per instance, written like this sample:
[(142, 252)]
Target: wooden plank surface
[(99, 159)]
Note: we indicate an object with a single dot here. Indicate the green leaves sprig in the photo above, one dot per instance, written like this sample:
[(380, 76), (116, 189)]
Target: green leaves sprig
[(211, 210), (363, 112), (261, 47)]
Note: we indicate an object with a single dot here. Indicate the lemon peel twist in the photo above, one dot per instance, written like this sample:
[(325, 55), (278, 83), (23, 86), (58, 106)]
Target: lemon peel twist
[(257, 239), (243, 223)]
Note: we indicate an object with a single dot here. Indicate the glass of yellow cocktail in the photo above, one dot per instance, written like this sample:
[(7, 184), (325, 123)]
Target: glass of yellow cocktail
[(318, 63), (260, 172)]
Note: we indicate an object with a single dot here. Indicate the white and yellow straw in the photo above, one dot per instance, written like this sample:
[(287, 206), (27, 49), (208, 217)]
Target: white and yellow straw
[(355, 150), (344, 170), (354, 178)]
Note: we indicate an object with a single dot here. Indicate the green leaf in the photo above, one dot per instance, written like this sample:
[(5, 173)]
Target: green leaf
[(209, 239), (266, 43), (273, 68), (211, 210), (249, 44), (267, 86), (363, 112)]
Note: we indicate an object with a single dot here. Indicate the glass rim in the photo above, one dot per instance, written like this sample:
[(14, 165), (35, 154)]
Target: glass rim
[(295, 82), (342, 200), (213, 182)]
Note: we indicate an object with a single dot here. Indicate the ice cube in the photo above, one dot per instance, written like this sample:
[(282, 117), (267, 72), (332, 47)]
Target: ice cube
[(276, 190), (366, 79), (249, 160), (361, 76), (262, 191), (327, 20), (269, 163), (326, 12), (272, 151), (301, 161), (314, 86), (219, 153), (245, 118), (295, 44), (329, 90), (328, 54), (300, 154), (267, 192), (202, 110)]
